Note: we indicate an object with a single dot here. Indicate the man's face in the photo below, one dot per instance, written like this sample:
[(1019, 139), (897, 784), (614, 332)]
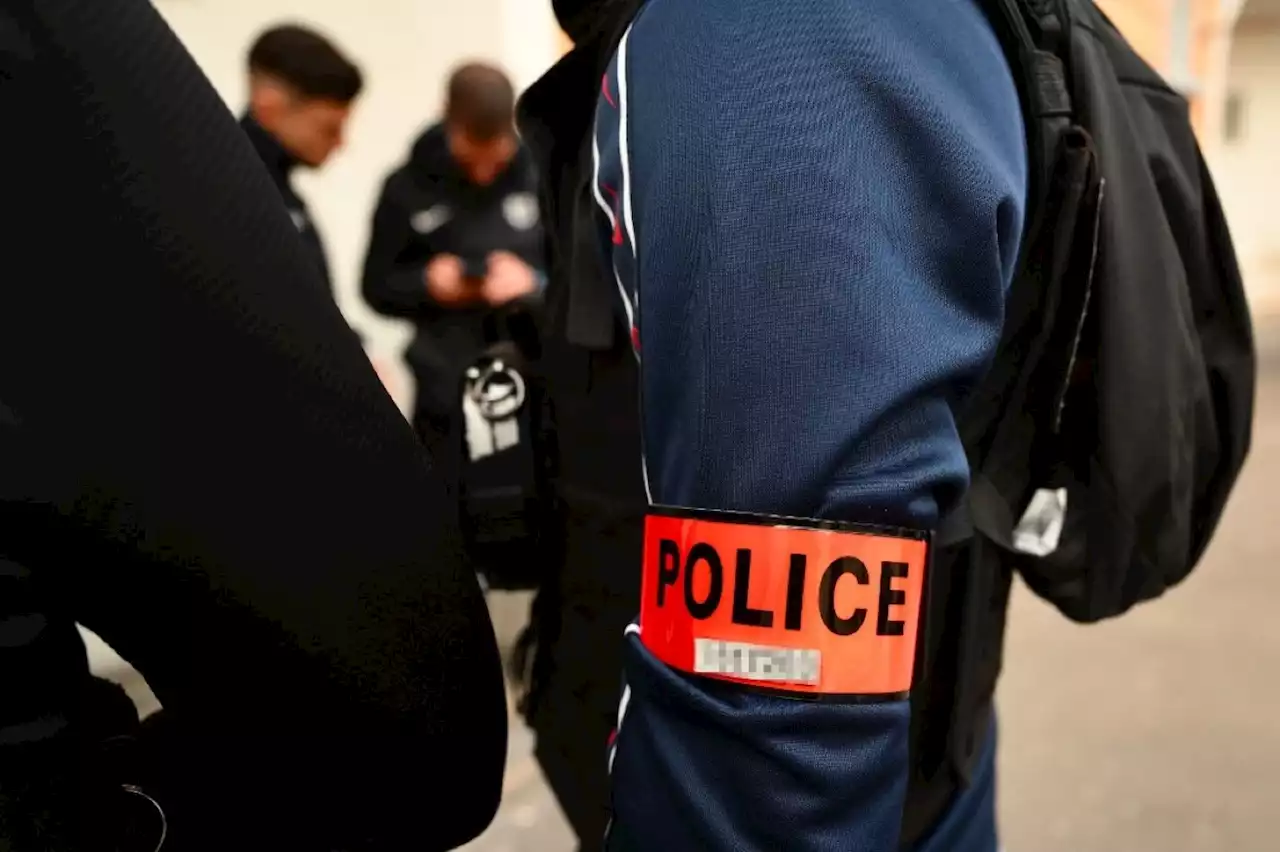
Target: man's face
[(482, 160), (310, 129)]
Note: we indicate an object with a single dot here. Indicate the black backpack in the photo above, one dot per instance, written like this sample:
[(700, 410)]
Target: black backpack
[(1116, 416), (1126, 373)]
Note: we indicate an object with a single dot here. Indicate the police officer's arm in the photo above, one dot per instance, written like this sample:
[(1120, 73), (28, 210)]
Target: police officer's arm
[(826, 201), (200, 465)]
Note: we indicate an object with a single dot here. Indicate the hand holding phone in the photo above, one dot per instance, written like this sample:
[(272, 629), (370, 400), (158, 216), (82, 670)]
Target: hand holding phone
[(509, 278)]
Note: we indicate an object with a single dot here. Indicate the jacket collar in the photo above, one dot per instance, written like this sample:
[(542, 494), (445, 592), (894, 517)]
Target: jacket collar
[(278, 161), (557, 118)]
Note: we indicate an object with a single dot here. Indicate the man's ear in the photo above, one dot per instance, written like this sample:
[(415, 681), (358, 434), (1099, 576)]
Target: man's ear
[(268, 99)]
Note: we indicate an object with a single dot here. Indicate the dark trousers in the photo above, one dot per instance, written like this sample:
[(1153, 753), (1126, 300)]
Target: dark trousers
[(578, 663), (582, 609), (969, 824)]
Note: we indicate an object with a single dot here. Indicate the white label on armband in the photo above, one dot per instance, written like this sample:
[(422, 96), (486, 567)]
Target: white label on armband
[(757, 662)]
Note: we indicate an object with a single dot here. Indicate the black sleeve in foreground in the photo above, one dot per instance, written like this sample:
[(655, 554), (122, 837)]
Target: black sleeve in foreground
[(198, 454)]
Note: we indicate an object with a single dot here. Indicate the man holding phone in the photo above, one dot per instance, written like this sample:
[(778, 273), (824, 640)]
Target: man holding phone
[(455, 235), (495, 279)]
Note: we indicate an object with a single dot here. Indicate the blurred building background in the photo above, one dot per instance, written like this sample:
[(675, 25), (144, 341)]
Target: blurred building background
[(1225, 56), (406, 49)]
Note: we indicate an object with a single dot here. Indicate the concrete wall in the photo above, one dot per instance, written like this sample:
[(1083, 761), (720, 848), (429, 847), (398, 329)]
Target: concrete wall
[(1245, 167), (1185, 41), (1229, 52), (1146, 24), (406, 49)]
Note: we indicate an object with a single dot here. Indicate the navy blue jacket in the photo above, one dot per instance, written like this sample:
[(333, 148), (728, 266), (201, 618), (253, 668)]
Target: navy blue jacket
[(813, 210), (280, 165)]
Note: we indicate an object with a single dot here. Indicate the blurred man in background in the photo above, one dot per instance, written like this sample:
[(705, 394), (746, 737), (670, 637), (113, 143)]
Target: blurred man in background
[(301, 90), (456, 234)]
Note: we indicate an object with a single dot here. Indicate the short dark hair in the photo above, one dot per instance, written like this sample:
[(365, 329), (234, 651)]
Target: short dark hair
[(307, 61), (481, 101)]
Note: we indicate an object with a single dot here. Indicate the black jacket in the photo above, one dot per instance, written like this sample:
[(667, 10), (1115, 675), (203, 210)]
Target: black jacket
[(280, 165), (200, 465), (429, 207)]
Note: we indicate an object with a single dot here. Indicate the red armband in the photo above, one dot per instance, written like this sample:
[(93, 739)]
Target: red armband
[(815, 608)]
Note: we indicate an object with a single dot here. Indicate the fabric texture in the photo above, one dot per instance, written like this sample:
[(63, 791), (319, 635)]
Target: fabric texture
[(970, 823), (201, 466)]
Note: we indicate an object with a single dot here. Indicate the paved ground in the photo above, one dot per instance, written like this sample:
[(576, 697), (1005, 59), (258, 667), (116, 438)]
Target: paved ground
[(1157, 733)]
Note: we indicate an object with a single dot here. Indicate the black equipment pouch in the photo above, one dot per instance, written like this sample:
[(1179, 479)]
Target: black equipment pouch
[(503, 493)]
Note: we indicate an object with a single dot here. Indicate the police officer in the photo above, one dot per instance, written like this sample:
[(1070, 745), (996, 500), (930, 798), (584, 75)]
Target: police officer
[(456, 234), (301, 92), (810, 213)]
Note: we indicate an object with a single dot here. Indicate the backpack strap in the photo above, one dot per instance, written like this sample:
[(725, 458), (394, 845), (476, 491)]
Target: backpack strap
[(1036, 38)]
